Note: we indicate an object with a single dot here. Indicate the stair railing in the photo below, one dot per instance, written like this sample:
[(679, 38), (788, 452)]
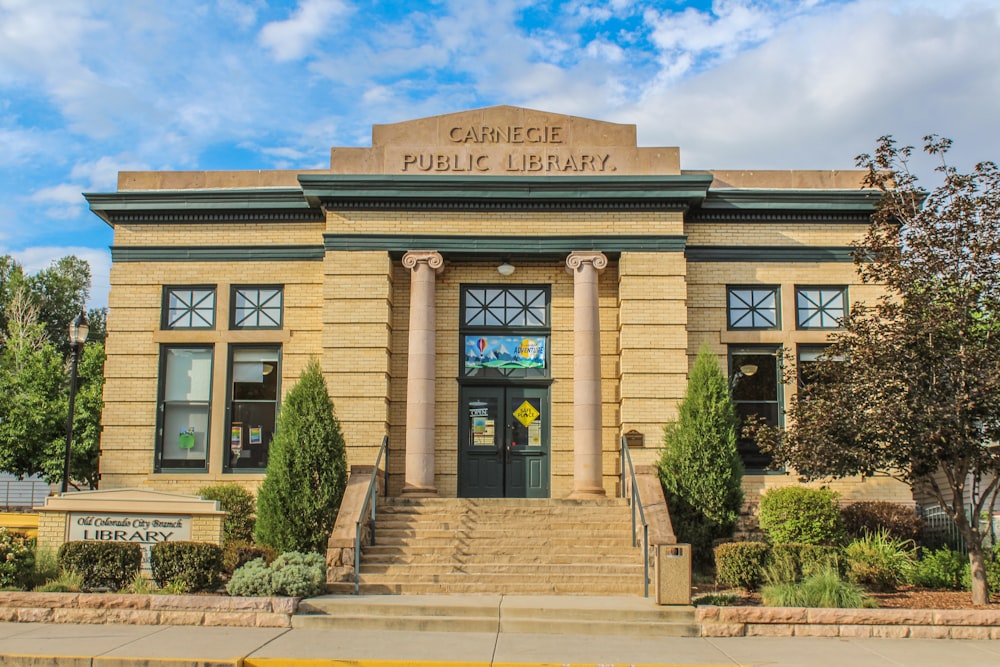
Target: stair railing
[(371, 501), (631, 492)]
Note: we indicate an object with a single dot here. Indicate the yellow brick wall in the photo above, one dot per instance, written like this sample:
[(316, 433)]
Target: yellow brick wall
[(358, 313), (513, 224), (133, 347), (52, 530), (779, 234), (207, 528), (653, 365), (228, 234)]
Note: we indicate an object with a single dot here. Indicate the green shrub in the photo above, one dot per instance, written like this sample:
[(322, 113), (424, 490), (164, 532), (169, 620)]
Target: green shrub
[(299, 575), (868, 517), (700, 468), (306, 470), (240, 507), (879, 561), (110, 565), (17, 560), (292, 573), (822, 589), (194, 566), (798, 514), (253, 579), (740, 564), (941, 568), (791, 563), (238, 553)]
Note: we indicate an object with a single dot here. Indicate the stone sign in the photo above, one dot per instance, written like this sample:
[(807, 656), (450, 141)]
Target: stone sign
[(129, 515)]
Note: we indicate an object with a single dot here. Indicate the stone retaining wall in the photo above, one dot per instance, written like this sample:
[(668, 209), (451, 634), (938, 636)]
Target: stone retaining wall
[(889, 623), (100, 608)]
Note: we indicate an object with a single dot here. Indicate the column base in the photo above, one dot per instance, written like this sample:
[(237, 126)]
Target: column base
[(588, 493), (410, 491)]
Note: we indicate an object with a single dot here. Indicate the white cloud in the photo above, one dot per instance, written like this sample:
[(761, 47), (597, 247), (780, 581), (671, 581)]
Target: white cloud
[(36, 258), (825, 87), (292, 39)]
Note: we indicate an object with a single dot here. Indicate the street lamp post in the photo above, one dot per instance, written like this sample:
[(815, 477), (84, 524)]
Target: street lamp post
[(78, 330)]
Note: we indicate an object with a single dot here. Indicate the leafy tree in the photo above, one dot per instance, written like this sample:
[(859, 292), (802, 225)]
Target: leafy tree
[(911, 387), (700, 467), (32, 383), (306, 471), (34, 372)]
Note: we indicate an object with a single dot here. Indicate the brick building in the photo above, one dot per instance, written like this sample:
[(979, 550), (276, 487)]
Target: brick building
[(503, 292)]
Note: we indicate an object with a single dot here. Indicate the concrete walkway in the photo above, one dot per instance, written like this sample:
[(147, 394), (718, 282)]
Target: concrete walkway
[(56, 645)]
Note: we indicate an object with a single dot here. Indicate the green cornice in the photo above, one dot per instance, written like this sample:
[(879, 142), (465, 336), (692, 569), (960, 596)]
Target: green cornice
[(210, 206), (400, 191), (753, 199), (778, 217), (493, 245), (286, 253), (751, 253)]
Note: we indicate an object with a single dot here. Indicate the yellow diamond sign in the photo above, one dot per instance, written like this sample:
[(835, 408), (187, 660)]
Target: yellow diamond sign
[(526, 413)]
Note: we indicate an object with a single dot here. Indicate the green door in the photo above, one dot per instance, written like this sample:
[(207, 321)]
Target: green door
[(503, 442)]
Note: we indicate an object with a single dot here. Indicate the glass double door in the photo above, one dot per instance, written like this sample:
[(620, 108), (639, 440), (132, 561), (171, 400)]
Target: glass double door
[(503, 442)]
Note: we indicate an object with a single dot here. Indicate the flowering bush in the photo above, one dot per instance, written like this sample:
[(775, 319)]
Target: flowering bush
[(17, 560)]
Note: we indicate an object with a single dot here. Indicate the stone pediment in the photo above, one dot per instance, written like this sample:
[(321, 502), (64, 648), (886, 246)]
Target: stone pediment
[(505, 141), (130, 501)]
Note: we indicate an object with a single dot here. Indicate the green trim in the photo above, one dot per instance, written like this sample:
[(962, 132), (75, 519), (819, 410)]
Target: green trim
[(330, 188), (217, 205), (288, 253), (791, 200), (491, 245), (768, 253), (779, 217)]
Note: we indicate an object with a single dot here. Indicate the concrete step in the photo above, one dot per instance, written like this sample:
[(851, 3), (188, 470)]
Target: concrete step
[(471, 540), (401, 587), (414, 570), (617, 615), (421, 556)]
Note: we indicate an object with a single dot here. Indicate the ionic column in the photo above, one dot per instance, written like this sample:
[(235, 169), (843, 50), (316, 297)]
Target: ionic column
[(587, 459), (424, 265)]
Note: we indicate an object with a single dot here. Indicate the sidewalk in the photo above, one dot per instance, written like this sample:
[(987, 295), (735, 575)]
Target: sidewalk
[(56, 645)]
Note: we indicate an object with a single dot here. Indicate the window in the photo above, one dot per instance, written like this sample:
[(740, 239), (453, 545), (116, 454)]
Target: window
[(184, 407), (505, 332), (808, 355), (820, 307), (189, 307), (755, 381), (253, 405), (753, 307), (257, 307), (505, 307)]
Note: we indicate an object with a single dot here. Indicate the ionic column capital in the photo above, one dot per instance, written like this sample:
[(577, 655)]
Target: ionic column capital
[(432, 258), (580, 258)]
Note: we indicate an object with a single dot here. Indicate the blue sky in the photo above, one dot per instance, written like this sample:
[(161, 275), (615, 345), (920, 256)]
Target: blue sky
[(91, 87)]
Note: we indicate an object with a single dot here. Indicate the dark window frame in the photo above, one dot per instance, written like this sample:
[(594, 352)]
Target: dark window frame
[(820, 308), (751, 307), (538, 331), (778, 402), (160, 464), (227, 466), (168, 290), (235, 290)]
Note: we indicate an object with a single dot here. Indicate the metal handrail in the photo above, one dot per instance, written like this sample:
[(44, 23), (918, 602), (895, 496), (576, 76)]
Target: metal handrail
[(634, 502), (369, 504)]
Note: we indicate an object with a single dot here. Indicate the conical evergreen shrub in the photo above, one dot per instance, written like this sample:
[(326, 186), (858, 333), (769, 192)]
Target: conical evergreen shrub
[(298, 501), (699, 466)]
